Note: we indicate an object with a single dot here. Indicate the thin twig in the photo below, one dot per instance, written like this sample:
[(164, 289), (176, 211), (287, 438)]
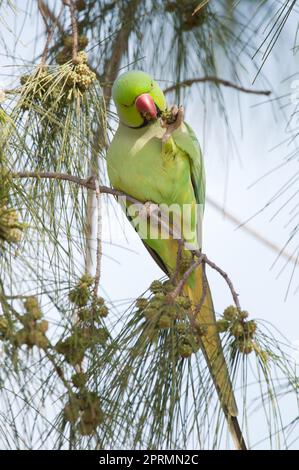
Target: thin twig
[(191, 81), (177, 291), (43, 9), (177, 264), (87, 183), (226, 278), (51, 15), (49, 31), (73, 12)]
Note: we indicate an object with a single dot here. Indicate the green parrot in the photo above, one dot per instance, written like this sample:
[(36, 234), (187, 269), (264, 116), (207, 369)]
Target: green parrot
[(166, 168)]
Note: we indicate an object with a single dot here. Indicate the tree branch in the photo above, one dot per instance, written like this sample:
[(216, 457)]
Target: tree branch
[(177, 291), (90, 183), (49, 31), (50, 14), (191, 81), (44, 11)]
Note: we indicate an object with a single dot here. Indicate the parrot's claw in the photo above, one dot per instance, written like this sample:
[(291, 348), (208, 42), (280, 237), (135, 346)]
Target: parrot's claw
[(148, 208), (178, 114)]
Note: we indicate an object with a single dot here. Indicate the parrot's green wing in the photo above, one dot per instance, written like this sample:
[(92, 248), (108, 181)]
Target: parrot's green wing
[(187, 141)]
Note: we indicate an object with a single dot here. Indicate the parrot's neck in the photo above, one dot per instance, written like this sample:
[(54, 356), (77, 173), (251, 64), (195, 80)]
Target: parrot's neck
[(145, 125), (147, 132)]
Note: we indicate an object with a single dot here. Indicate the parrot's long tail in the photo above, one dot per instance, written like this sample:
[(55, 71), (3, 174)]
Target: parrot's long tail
[(213, 352)]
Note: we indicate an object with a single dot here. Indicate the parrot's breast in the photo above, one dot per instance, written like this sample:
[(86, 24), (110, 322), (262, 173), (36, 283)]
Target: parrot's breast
[(141, 166)]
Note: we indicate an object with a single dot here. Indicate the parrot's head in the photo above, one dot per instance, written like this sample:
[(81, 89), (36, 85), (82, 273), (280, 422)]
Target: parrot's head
[(138, 98)]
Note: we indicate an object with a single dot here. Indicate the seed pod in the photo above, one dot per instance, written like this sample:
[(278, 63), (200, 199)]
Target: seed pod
[(82, 41), (32, 307), (86, 279), (181, 328), (237, 329), (202, 330), (99, 301), (31, 303), (3, 325), (243, 315), (230, 313), (158, 297), (152, 333), (71, 413), (141, 303), (151, 313), (251, 327), (184, 302), (79, 296), (103, 311), (20, 337), (67, 41), (245, 346), (79, 379), (72, 79), (165, 322), (86, 429), (41, 341), (185, 350), (168, 287), (43, 326), (84, 82), (72, 348), (92, 415), (14, 235), (82, 69), (99, 335), (81, 58), (222, 325), (156, 287), (85, 314)]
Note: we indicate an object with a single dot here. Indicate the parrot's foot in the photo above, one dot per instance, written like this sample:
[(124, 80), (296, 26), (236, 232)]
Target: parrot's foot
[(177, 114), (148, 209)]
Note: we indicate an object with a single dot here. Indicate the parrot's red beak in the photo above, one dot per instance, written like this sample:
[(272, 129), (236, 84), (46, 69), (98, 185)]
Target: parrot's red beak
[(146, 106)]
